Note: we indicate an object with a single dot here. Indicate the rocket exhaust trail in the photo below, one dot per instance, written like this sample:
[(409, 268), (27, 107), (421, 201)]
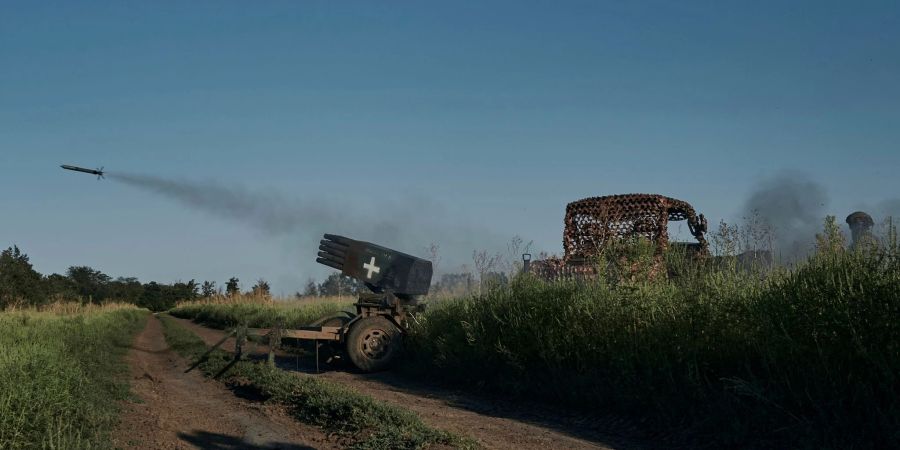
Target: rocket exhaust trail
[(408, 224)]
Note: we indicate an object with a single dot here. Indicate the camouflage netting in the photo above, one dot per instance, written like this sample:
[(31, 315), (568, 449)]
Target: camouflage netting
[(593, 223)]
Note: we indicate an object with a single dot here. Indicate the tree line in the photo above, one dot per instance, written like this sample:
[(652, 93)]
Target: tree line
[(22, 285)]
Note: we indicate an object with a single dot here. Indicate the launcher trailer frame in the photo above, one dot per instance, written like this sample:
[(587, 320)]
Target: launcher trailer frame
[(372, 337)]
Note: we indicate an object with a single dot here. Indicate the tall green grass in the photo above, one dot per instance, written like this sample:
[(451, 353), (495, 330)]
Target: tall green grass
[(807, 357), (257, 313), (61, 375)]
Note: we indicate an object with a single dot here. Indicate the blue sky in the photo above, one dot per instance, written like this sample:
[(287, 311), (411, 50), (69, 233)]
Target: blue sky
[(494, 114)]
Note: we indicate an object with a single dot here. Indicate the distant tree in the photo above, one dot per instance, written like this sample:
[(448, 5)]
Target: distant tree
[(454, 282), (311, 290), (208, 289), (337, 284), (19, 282), (90, 284), (261, 288), (126, 289), (181, 291), (233, 287), (161, 297), (152, 298), (60, 287)]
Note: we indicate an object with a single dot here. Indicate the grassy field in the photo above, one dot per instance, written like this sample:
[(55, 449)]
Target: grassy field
[(362, 422), (256, 312), (60, 374), (806, 357)]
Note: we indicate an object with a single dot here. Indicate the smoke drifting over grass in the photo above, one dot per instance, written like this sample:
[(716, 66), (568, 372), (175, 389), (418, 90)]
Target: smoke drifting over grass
[(794, 206), (884, 213), (888, 208), (409, 225)]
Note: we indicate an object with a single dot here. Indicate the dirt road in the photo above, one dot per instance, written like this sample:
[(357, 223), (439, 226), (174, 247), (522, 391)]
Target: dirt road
[(495, 423), (177, 410)]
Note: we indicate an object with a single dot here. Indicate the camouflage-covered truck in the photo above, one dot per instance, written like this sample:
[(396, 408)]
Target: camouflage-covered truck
[(595, 223)]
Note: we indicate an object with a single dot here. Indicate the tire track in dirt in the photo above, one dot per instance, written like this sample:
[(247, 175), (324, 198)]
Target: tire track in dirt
[(496, 424), (177, 410)]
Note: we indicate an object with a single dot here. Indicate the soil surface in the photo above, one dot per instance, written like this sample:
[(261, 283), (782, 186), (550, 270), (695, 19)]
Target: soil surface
[(496, 423), (171, 409)]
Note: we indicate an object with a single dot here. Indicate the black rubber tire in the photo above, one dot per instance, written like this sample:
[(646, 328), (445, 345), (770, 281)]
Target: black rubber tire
[(373, 343)]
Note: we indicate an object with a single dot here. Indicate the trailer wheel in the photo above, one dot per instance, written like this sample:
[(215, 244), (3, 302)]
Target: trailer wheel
[(373, 343)]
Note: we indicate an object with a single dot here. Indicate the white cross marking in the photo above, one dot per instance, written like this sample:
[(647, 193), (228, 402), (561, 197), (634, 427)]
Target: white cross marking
[(371, 267)]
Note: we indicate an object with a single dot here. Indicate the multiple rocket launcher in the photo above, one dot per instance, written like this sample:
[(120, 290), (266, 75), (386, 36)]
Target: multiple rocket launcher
[(380, 268)]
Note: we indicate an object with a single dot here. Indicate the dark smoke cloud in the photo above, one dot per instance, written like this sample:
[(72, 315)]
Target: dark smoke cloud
[(794, 206), (408, 225)]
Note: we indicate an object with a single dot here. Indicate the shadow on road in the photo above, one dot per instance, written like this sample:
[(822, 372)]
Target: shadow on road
[(215, 441), (606, 429)]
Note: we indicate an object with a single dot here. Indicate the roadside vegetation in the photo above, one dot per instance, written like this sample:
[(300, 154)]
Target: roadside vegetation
[(806, 356), (810, 357), (256, 311), (360, 421), (61, 373)]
